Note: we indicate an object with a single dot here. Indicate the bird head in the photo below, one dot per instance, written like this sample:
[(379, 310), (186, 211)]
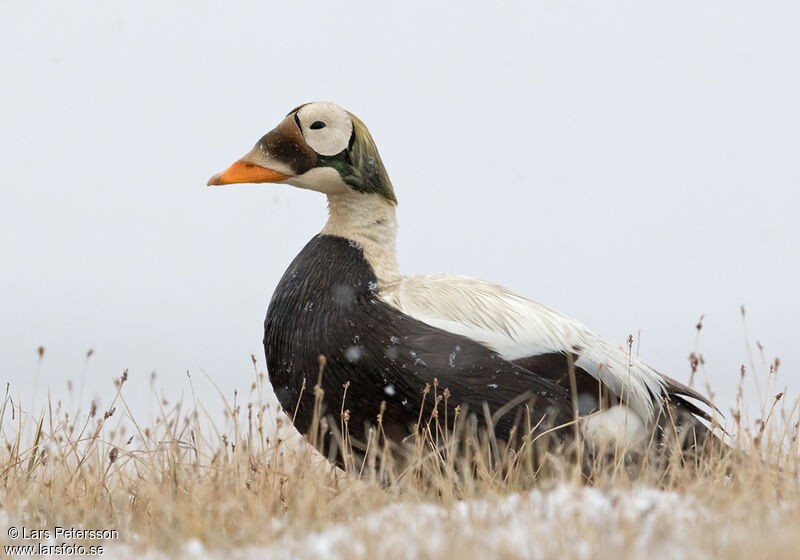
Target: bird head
[(318, 146)]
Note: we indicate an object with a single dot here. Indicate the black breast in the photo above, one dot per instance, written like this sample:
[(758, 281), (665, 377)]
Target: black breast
[(326, 304)]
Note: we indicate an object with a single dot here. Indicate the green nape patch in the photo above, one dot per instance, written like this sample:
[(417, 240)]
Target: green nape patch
[(360, 165)]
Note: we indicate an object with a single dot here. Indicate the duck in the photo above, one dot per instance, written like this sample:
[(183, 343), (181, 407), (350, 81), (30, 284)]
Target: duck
[(345, 327)]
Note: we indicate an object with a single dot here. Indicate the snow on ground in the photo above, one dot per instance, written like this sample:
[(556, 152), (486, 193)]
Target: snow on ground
[(565, 522)]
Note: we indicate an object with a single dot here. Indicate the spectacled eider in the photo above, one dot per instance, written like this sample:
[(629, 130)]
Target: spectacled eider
[(386, 336)]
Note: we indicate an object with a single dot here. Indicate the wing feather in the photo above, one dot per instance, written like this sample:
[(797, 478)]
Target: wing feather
[(516, 327)]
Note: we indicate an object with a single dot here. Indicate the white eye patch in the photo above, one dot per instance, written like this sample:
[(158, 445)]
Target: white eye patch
[(326, 127)]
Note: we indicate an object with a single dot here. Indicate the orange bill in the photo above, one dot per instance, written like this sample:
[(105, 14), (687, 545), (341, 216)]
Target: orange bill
[(246, 172)]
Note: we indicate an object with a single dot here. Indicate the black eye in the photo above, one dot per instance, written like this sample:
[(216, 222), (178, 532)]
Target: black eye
[(316, 125)]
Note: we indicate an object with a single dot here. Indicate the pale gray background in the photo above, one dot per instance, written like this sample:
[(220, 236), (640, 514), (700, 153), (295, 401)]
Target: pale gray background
[(633, 165)]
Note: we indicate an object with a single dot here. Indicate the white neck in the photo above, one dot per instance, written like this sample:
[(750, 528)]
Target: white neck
[(370, 221)]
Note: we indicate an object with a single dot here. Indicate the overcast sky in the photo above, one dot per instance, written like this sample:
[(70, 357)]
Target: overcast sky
[(634, 167)]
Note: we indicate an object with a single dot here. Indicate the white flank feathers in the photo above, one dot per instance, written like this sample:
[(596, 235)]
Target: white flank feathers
[(615, 426)]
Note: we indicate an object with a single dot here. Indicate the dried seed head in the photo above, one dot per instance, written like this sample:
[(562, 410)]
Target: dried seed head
[(693, 361)]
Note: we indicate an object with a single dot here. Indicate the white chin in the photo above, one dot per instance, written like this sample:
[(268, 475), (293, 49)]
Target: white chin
[(321, 179)]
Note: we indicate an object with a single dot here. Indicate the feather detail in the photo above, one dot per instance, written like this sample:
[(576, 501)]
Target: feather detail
[(516, 327)]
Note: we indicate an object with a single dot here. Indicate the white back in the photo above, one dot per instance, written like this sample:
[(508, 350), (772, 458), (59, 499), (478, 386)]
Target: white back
[(516, 327)]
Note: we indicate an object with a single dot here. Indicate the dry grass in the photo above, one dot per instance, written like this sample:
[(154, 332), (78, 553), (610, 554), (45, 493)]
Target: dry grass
[(229, 488)]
